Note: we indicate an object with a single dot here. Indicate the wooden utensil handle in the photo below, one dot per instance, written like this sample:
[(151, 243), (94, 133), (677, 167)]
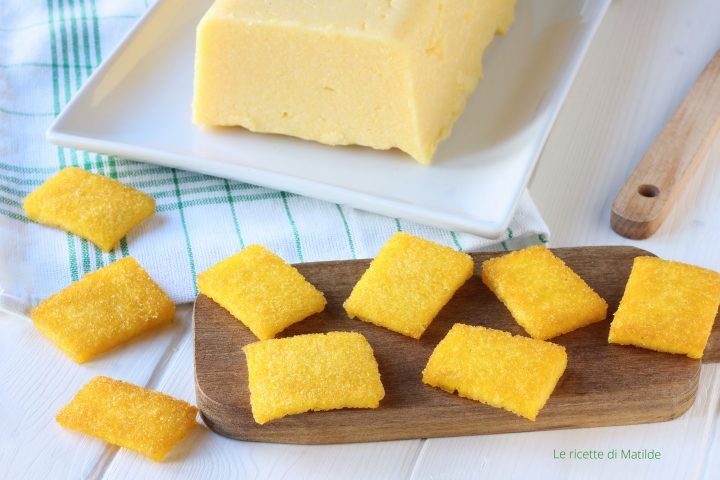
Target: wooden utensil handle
[(652, 189)]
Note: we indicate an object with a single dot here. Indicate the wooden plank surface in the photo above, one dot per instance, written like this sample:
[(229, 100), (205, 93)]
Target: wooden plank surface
[(645, 52), (205, 455), (603, 384)]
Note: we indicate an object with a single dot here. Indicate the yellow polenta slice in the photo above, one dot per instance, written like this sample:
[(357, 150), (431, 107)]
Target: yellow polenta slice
[(129, 416), (494, 367), (668, 307), (542, 293), (103, 310), (311, 372), (94, 207), (262, 291), (408, 283)]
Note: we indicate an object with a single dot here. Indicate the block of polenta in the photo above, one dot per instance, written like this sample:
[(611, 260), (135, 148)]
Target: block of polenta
[(494, 367), (262, 291), (312, 372), (103, 310), (94, 207), (667, 306), (542, 293), (344, 71), (129, 416), (407, 284)]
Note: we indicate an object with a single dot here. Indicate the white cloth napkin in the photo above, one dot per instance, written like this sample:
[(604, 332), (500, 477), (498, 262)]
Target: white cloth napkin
[(47, 50)]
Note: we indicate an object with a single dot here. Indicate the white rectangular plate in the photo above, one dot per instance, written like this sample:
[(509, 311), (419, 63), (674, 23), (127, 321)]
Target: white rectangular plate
[(137, 105)]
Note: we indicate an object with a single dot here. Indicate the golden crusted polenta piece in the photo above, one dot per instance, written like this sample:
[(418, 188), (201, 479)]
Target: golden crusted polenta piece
[(94, 207), (311, 373), (408, 283), (667, 306), (542, 293), (491, 366), (103, 310), (262, 291), (129, 416)]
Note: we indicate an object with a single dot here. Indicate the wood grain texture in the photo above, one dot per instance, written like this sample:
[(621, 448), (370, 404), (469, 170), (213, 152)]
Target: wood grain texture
[(652, 189), (644, 58), (204, 455), (603, 384)]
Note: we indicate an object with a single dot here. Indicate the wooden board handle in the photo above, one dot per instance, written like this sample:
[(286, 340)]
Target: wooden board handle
[(652, 189)]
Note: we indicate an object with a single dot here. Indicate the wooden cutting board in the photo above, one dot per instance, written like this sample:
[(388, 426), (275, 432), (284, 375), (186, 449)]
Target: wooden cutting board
[(603, 384)]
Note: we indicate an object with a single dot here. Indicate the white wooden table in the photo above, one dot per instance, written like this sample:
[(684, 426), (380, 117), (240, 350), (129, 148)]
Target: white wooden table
[(645, 56)]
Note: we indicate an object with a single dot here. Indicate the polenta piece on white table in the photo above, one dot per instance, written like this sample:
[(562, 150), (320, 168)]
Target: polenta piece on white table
[(262, 291), (375, 73), (667, 306), (129, 416), (91, 206), (102, 310), (494, 367), (314, 372)]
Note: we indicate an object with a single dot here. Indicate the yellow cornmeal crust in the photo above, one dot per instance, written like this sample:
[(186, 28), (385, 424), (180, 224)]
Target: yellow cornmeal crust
[(667, 306), (542, 293), (262, 291), (311, 372), (103, 310), (129, 416), (494, 367), (91, 206), (408, 283)]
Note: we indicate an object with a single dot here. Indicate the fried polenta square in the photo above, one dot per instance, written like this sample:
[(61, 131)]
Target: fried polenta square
[(94, 207), (129, 416), (667, 306), (102, 310), (494, 367), (313, 372), (542, 293), (262, 291), (408, 283)]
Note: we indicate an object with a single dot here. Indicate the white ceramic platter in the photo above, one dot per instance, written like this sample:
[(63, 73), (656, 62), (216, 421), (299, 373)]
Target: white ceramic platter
[(137, 105)]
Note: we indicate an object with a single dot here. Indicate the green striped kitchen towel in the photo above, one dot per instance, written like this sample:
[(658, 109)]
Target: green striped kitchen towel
[(47, 50)]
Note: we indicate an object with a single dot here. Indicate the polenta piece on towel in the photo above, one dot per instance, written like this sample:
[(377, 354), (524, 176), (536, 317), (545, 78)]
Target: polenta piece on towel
[(408, 283), (262, 291), (494, 367), (667, 306), (94, 207), (311, 372), (103, 310), (542, 293), (129, 416)]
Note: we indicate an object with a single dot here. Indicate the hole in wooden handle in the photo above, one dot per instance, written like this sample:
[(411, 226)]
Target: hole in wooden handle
[(649, 191)]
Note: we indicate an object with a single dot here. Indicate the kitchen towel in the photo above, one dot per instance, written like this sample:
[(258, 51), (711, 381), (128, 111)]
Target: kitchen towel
[(47, 50)]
